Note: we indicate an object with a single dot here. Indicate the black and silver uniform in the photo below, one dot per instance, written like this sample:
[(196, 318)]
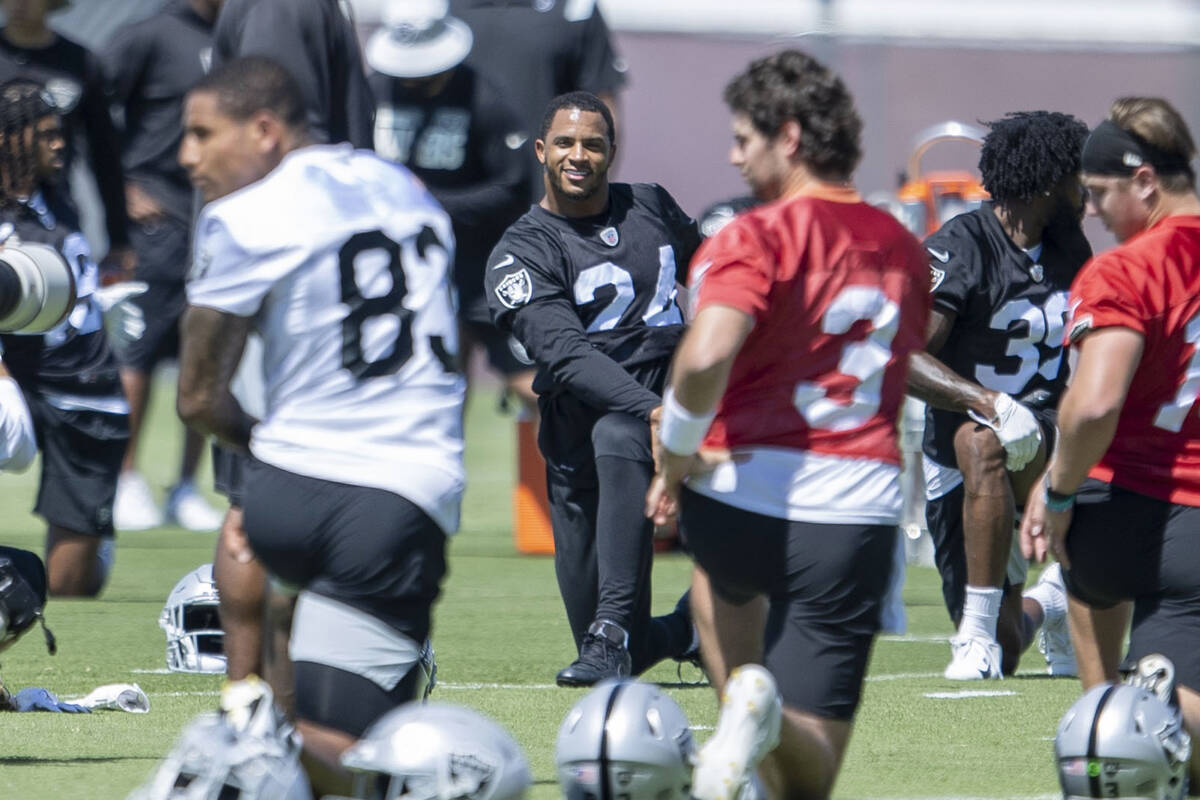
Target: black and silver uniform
[(315, 41), (73, 77), (593, 301), (71, 363), (1009, 313), (467, 146), (150, 66)]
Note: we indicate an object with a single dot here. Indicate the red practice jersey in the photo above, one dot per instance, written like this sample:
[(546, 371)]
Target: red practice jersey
[(1151, 284), (839, 293)]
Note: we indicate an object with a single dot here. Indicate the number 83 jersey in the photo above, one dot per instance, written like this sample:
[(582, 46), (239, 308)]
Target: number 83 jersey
[(1010, 307), (342, 259)]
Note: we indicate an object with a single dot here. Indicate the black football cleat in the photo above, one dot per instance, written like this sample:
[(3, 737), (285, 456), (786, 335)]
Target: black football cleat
[(604, 654)]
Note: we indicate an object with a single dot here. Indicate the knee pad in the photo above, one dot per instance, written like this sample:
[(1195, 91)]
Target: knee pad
[(621, 435)]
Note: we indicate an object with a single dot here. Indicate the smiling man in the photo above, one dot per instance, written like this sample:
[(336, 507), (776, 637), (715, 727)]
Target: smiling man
[(586, 281)]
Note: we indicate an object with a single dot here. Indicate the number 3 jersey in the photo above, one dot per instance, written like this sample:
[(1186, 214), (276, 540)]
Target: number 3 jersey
[(1010, 307), (838, 291), (1151, 285), (593, 301), (342, 259)]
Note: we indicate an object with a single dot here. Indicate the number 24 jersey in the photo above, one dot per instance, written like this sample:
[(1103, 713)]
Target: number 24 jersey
[(342, 258)]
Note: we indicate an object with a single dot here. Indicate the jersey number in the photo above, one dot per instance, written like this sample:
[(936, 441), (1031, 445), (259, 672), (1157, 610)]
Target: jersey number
[(1170, 416), (363, 309), (864, 360), (663, 310), (1044, 326)]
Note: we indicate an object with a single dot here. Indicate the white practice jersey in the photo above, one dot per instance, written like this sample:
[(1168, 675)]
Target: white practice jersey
[(342, 258)]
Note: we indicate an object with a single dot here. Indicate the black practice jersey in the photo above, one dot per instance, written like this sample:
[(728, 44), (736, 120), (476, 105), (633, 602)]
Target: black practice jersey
[(538, 49), (593, 301), (149, 67), (73, 77), (316, 42), (467, 146), (71, 364), (1009, 313)]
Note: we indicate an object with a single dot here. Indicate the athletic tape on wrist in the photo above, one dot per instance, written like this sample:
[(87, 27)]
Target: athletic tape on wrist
[(681, 431)]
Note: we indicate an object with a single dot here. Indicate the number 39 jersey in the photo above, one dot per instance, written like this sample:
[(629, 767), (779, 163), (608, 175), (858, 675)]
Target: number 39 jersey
[(342, 259), (1009, 309), (1151, 284), (839, 295)]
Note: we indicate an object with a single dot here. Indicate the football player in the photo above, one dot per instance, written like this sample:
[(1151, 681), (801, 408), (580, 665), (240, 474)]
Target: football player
[(339, 262), (991, 375), (1119, 503), (586, 280), (68, 375), (793, 367)]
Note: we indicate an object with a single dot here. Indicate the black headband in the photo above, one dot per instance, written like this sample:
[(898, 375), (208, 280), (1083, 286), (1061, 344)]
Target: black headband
[(1112, 150)]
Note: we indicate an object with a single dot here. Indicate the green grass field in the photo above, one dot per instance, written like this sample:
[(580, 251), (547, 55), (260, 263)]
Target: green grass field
[(500, 635)]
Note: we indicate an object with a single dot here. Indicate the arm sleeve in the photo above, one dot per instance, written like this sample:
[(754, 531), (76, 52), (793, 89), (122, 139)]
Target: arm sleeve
[(954, 272), (732, 269), (504, 155), (17, 443), (229, 276), (1105, 295), (598, 68), (104, 148), (123, 63)]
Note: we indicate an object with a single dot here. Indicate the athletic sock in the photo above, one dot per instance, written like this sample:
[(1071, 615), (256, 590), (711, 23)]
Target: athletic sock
[(1050, 598), (980, 610)]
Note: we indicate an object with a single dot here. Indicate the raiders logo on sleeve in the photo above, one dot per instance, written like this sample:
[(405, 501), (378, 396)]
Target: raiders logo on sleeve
[(515, 289)]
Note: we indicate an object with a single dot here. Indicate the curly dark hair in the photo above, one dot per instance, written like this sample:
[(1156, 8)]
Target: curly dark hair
[(794, 85), (1029, 152)]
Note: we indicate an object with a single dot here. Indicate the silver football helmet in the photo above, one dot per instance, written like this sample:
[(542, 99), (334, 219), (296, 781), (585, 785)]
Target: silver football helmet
[(625, 739), (195, 641), (1121, 740), (220, 758), (437, 751)]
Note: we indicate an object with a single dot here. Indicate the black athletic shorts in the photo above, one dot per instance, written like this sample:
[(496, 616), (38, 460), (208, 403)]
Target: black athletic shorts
[(825, 583), (163, 248), (229, 474), (81, 460), (368, 548), (1126, 546), (162, 306)]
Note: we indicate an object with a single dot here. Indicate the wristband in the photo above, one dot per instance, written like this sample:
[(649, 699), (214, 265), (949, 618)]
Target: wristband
[(681, 431), (1056, 501)]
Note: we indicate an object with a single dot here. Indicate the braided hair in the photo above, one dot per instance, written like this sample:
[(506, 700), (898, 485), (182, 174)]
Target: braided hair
[(22, 103)]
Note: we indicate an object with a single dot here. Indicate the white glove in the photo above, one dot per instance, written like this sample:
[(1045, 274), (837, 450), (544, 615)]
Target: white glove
[(124, 321), (1016, 428), (117, 697)]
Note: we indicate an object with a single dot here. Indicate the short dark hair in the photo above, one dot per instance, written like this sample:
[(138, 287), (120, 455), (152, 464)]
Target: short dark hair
[(22, 103), (1156, 121), (1028, 152), (245, 86), (794, 85), (584, 101)]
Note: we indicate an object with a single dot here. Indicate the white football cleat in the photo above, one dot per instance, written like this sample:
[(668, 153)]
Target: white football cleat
[(188, 509), (134, 508), (1054, 639), (973, 658), (747, 730)]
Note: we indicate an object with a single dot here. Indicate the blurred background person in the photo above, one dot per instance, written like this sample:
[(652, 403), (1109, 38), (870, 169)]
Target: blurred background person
[(72, 75), (149, 67), (451, 125)]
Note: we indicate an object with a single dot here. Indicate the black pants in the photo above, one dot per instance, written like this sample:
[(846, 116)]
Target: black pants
[(603, 544)]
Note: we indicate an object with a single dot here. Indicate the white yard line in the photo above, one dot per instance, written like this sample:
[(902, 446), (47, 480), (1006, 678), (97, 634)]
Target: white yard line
[(966, 693)]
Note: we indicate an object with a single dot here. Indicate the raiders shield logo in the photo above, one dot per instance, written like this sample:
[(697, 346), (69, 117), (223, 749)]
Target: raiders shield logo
[(1037, 273), (516, 289), (936, 276), (66, 93), (610, 236)]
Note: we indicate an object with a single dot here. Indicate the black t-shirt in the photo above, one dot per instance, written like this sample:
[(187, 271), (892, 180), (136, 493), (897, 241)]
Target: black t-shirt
[(538, 49), (466, 145), (1009, 313), (73, 77), (593, 301), (150, 66), (317, 44), (73, 358)]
